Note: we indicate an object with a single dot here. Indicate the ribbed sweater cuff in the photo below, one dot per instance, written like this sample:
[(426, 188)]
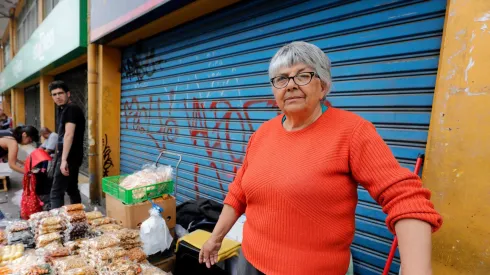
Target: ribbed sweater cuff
[(434, 219), (235, 203)]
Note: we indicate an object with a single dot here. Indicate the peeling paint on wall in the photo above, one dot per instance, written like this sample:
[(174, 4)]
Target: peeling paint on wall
[(484, 18)]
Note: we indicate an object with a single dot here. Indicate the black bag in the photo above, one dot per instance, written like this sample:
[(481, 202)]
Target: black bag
[(202, 213)]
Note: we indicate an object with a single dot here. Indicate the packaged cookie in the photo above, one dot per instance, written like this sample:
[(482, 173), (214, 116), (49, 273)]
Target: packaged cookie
[(68, 263), (102, 221), (108, 228), (44, 269), (125, 234), (102, 242), (73, 207), (137, 255), (43, 240), (18, 226), (86, 270), (76, 216), (39, 215), (94, 215), (124, 267), (51, 221)]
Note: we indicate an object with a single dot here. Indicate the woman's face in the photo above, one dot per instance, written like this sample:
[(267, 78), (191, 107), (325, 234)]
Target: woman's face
[(294, 98), (26, 139)]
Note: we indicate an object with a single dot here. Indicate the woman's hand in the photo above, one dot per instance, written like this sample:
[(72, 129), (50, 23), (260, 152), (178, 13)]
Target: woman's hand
[(209, 252)]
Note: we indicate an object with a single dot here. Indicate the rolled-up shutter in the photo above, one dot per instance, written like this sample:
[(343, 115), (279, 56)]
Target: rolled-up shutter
[(201, 90)]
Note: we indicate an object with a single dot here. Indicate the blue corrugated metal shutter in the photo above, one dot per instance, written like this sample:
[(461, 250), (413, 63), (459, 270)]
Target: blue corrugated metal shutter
[(202, 89)]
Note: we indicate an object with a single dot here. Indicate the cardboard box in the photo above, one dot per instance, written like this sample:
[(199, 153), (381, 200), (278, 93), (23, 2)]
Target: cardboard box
[(131, 216), (167, 264)]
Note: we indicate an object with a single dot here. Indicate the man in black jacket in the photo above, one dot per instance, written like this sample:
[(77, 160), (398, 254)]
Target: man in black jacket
[(69, 153)]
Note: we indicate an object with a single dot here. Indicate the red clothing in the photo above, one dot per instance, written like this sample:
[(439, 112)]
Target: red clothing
[(299, 192)]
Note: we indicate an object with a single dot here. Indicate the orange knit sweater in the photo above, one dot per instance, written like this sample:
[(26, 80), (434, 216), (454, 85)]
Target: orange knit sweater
[(299, 192)]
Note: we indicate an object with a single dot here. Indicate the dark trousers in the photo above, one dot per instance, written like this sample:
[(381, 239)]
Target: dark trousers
[(62, 184), (244, 267)]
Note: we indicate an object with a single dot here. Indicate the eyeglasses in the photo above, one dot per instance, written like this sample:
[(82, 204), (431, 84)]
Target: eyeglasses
[(300, 79)]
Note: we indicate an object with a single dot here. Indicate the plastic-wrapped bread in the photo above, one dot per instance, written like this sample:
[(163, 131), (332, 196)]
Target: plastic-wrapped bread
[(102, 221), (69, 263), (76, 216), (73, 207), (51, 221), (44, 240), (94, 215), (102, 242)]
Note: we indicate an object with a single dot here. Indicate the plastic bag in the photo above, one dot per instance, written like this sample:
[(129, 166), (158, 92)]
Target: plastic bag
[(25, 236), (102, 221), (102, 242), (123, 267), (109, 253), (94, 215), (18, 226), (107, 228), (75, 216), (150, 174), (75, 230), (154, 233), (125, 234), (68, 263), (39, 215), (44, 269), (148, 269), (87, 270), (44, 240), (73, 207), (51, 221)]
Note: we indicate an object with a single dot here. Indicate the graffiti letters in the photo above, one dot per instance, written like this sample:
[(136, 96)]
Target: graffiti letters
[(141, 64), (107, 159)]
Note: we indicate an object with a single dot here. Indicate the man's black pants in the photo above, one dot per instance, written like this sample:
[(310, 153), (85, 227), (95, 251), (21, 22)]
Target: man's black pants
[(62, 184)]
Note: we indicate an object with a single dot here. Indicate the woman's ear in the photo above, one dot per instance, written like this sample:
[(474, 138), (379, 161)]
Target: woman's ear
[(325, 89)]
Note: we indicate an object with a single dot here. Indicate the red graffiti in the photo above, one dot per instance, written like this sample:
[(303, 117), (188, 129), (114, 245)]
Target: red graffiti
[(200, 125)]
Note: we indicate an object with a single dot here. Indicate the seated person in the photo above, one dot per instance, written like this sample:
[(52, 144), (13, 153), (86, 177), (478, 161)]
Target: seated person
[(50, 140), (5, 122)]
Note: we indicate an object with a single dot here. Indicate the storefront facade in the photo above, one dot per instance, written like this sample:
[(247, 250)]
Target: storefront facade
[(43, 52), (193, 81)]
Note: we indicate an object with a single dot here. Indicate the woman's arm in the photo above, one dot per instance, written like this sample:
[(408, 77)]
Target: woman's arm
[(399, 192), (209, 251), (12, 156), (414, 241)]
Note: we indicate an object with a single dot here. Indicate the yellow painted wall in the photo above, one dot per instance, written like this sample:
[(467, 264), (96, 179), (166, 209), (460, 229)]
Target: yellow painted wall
[(18, 106), (457, 167), (109, 111), (47, 104), (6, 103)]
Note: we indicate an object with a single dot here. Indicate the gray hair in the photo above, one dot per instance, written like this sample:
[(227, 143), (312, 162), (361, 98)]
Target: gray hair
[(302, 52)]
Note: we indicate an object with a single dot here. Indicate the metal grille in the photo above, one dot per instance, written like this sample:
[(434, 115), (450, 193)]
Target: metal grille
[(27, 22), (33, 106), (49, 5), (76, 79)]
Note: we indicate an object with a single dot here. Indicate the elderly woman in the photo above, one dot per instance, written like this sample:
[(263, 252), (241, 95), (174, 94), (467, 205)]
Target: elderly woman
[(298, 182)]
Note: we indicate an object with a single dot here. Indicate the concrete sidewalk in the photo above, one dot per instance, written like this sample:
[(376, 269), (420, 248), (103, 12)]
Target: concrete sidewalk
[(10, 201)]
